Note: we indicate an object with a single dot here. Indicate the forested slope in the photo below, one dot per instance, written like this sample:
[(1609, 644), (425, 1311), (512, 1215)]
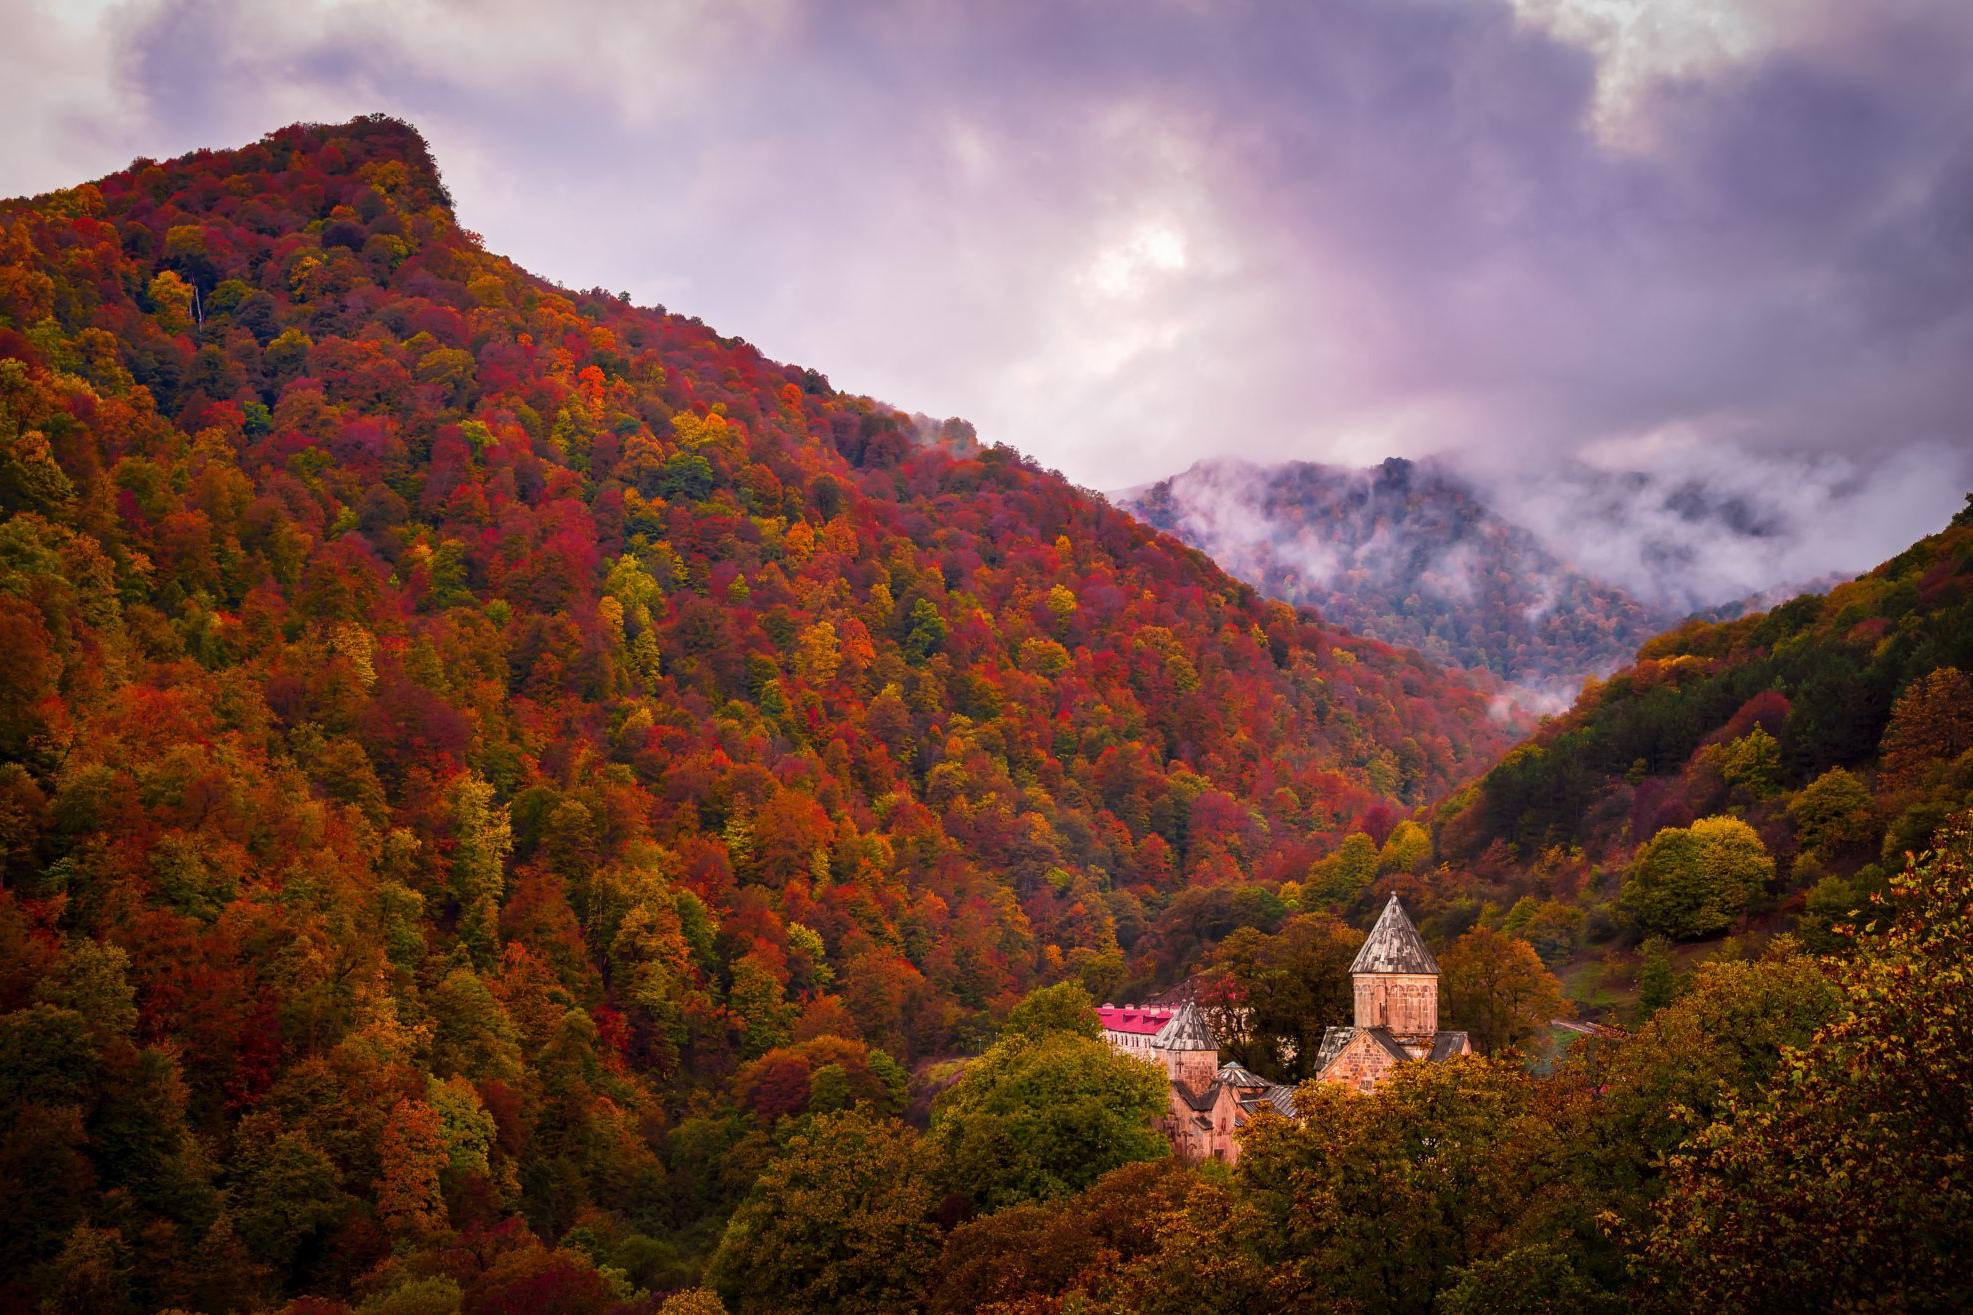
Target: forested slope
[(1829, 736), (473, 749)]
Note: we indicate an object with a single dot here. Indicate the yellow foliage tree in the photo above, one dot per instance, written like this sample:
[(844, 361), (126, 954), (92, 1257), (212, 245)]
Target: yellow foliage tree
[(171, 299), (818, 653)]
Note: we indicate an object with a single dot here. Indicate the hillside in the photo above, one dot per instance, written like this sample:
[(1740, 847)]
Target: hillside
[(1410, 553), (1834, 731), (447, 715)]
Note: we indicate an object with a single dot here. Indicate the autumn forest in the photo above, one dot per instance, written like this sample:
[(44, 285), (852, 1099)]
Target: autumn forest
[(512, 801)]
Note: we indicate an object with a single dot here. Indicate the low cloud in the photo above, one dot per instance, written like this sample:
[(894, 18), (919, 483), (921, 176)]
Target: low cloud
[(1703, 526)]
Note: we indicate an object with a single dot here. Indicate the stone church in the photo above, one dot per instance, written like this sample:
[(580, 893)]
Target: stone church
[(1208, 1102), (1396, 984)]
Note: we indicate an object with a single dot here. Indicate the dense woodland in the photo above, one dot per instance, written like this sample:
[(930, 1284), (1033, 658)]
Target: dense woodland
[(1822, 741), (510, 801)]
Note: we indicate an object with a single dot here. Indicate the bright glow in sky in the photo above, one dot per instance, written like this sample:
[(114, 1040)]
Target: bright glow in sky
[(1125, 270)]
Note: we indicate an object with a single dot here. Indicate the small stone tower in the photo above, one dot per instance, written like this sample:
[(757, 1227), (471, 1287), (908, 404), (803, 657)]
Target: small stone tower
[(1187, 1046), (1397, 1009), (1397, 981)]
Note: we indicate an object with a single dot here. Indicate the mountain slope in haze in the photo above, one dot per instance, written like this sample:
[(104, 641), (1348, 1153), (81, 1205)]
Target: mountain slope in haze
[(1410, 553), (471, 748)]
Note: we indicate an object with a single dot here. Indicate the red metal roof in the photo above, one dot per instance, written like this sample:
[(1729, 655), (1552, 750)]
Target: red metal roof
[(1141, 1022)]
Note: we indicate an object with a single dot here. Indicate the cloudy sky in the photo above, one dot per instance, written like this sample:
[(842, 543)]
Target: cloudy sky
[(1725, 236)]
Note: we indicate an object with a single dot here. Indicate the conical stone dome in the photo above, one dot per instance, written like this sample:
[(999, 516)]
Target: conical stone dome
[(1187, 1030), (1394, 946)]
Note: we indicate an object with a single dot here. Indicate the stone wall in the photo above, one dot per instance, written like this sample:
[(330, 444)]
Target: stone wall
[(1408, 1004), (1362, 1064)]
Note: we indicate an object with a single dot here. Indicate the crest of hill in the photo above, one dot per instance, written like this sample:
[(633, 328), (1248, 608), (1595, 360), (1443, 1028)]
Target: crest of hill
[(375, 138), (543, 607)]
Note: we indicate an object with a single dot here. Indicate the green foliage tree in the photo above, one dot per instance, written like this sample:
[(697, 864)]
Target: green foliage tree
[(756, 999), (1554, 927), (1846, 1181), (686, 477), (1657, 977), (1064, 1007), (840, 1220), (1372, 1201), (466, 1129), (1406, 849), (1541, 1278), (473, 1034), (1344, 875), (432, 1294), (1269, 998), (285, 1192), (1833, 813), (1033, 1119), (1831, 904), (1721, 1038), (1688, 882), (92, 978), (93, 1274), (48, 1057), (1752, 764), (482, 839), (927, 632)]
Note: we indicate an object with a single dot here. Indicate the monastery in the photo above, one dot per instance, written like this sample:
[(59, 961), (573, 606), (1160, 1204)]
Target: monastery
[(1209, 1101), (1396, 984)]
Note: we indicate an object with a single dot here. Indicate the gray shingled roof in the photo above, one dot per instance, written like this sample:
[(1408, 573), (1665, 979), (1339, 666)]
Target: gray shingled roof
[(1281, 1099), (1394, 946), (1186, 1031), (1446, 1044), (1240, 1075), (1334, 1038), (1384, 1037), (1268, 1095)]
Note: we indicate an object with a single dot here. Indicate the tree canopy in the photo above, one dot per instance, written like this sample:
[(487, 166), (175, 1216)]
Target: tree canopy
[(1040, 1117)]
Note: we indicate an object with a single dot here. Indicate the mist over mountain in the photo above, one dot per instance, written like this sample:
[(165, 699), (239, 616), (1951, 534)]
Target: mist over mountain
[(1543, 576), (1411, 553), (1698, 528)]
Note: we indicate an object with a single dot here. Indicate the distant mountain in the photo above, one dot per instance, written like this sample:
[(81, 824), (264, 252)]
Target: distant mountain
[(1411, 553)]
